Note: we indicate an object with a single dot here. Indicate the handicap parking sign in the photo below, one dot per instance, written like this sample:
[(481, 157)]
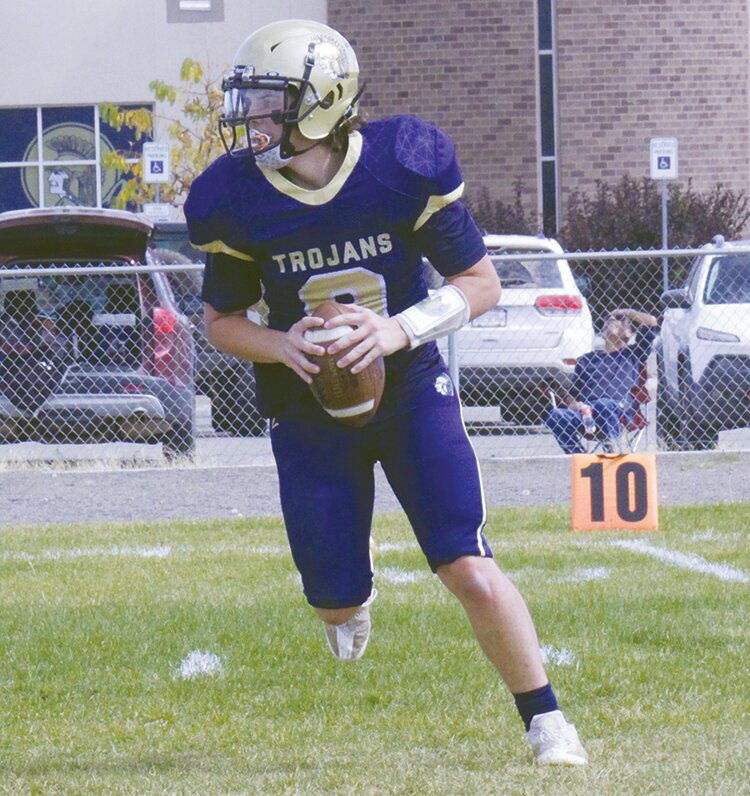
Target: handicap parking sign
[(663, 158), (156, 162)]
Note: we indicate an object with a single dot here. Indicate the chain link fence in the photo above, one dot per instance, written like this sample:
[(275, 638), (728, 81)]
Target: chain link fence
[(109, 362), (692, 387)]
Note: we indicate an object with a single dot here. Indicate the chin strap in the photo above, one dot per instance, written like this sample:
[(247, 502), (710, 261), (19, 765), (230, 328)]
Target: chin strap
[(445, 310)]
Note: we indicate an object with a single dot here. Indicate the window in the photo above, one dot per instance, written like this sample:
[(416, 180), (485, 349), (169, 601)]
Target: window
[(195, 10), (52, 156), (528, 273), (547, 114), (729, 280)]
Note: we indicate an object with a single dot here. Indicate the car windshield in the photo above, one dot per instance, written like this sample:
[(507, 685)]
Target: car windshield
[(50, 309), (728, 280), (103, 292), (528, 273)]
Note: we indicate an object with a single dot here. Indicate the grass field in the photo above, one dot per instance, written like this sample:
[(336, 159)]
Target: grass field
[(182, 659)]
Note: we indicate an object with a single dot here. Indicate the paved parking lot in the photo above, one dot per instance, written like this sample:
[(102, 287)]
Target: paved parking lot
[(236, 478), (98, 494)]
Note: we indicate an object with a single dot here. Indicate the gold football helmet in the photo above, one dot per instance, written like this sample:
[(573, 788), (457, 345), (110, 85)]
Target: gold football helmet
[(295, 72)]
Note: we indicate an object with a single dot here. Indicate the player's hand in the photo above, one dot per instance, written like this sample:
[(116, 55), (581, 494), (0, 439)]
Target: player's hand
[(295, 348), (372, 336)]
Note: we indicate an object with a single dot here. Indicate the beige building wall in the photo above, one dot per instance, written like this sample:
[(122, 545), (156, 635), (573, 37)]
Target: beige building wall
[(74, 52)]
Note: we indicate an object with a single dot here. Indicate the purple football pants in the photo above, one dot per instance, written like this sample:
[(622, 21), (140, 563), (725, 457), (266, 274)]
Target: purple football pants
[(326, 482)]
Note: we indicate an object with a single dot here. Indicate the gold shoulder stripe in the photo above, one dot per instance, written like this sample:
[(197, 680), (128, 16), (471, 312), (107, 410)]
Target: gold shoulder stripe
[(435, 203), (219, 247), (327, 192)]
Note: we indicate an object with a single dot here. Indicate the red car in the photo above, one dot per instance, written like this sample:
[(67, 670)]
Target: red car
[(92, 347)]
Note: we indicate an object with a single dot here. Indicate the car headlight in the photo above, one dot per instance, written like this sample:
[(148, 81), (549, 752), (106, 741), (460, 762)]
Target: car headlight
[(716, 336)]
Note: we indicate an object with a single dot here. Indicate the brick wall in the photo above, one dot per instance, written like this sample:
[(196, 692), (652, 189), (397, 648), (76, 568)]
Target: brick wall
[(631, 70), (467, 66), (628, 70)]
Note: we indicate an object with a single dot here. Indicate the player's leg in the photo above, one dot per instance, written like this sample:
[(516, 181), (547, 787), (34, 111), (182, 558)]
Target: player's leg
[(434, 472), (500, 619), (326, 488)]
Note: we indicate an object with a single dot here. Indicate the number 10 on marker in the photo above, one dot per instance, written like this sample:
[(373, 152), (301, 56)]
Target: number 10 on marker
[(614, 492)]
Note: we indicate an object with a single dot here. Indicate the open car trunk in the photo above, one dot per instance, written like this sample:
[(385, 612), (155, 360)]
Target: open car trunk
[(72, 234)]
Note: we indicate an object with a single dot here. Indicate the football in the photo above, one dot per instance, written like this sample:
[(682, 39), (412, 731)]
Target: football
[(352, 398)]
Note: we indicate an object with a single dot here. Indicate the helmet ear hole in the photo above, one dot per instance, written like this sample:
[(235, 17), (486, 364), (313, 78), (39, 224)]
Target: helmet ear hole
[(327, 101)]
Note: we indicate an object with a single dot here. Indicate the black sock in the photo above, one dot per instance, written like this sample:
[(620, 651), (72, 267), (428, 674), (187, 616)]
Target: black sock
[(532, 703)]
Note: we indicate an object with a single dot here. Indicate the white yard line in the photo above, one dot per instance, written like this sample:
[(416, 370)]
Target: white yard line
[(162, 551), (689, 561), (586, 574), (559, 657), (393, 547), (91, 552), (400, 576), (198, 664)]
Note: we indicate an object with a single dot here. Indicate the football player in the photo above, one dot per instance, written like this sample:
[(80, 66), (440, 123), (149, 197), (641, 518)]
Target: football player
[(309, 204)]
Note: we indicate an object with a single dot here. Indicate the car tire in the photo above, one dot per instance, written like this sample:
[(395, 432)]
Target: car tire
[(668, 427), (696, 434), (233, 410), (178, 444)]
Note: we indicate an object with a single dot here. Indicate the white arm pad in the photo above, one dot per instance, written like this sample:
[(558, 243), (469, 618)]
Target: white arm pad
[(445, 311)]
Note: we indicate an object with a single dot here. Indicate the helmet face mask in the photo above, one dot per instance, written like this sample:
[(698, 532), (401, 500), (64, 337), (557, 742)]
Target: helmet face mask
[(248, 105), (309, 66), (248, 99)]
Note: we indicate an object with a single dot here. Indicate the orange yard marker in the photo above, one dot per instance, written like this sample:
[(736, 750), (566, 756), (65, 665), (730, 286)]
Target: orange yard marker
[(614, 492)]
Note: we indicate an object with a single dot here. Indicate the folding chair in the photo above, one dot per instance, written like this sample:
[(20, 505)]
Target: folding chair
[(632, 429)]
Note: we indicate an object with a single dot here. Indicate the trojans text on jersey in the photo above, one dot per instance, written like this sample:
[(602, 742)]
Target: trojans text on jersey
[(335, 254)]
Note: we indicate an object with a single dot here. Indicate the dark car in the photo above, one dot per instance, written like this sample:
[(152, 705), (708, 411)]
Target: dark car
[(92, 349), (228, 381)]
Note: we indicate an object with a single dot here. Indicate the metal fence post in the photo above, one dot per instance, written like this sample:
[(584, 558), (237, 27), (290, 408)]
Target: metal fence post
[(453, 369)]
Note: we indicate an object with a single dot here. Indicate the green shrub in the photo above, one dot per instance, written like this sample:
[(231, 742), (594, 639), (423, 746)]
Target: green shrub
[(627, 215), (502, 218)]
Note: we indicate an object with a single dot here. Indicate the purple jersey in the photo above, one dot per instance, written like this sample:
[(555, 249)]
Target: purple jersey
[(360, 239)]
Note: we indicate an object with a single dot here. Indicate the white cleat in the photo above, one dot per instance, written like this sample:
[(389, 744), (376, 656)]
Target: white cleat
[(555, 742), (348, 641)]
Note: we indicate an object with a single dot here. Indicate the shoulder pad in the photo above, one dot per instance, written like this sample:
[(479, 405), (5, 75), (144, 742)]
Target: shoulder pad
[(216, 196), (413, 156)]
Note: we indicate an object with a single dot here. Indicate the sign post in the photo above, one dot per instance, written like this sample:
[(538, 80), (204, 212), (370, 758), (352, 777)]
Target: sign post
[(157, 169), (663, 156)]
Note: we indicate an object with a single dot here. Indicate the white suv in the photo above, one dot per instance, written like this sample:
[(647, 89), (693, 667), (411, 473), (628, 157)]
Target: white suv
[(511, 355), (703, 353)]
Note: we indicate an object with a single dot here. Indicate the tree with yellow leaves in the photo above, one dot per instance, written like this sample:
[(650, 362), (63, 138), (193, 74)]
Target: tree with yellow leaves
[(193, 133)]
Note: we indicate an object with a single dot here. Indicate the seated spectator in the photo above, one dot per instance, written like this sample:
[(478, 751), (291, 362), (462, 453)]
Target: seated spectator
[(604, 382), (28, 373), (18, 322)]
